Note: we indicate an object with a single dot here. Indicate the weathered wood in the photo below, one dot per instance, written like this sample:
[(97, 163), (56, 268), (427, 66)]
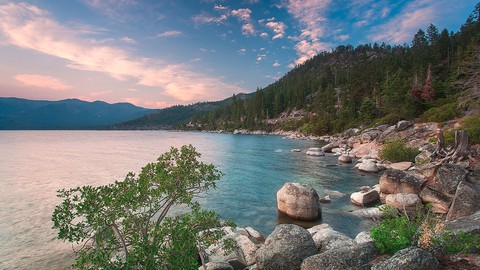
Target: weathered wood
[(461, 150), (440, 150)]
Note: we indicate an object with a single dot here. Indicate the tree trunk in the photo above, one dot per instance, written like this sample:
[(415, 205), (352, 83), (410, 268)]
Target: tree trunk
[(440, 151), (461, 150)]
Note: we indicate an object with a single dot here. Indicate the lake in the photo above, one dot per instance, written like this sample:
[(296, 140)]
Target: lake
[(34, 164)]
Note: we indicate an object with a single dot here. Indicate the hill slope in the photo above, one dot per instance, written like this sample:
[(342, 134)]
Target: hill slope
[(16, 113), (175, 115), (433, 79)]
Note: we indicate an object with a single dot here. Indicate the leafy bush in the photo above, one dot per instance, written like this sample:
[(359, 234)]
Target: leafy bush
[(394, 234), (124, 225), (389, 119), (396, 151), (472, 126), (441, 114), (420, 228)]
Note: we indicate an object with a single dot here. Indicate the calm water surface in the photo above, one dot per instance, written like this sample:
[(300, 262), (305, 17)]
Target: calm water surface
[(34, 164)]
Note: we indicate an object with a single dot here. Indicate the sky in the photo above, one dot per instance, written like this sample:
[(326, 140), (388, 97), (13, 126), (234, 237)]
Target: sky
[(159, 53)]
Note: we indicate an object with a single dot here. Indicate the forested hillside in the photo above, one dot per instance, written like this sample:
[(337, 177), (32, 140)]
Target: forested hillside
[(174, 116), (435, 78)]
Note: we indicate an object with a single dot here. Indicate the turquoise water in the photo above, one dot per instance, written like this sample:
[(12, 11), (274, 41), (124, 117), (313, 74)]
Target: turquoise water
[(34, 164)]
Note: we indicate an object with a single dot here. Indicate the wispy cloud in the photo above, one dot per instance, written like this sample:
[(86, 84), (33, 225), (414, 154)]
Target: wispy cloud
[(170, 33), (403, 26), (114, 9), (42, 81), (128, 40), (22, 23), (205, 18), (342, 37), (311, 15), (276, 64)]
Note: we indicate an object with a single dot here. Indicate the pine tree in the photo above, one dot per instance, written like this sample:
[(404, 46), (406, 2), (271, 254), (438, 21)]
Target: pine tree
[(428, 93)]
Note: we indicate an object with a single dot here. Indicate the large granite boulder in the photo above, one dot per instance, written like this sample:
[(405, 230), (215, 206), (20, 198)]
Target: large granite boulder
[(465, 202), (326, 238), (404, 201), (329, 147), (447, 179), (370, 149), (412, 258), (402, 166), (368, 166), (468, 224), (364, 197), (403, 124), (247, 242), (285, 248), (396, 181), (371, 134), (299, 201), (363, 237), (216, 266), (440, 203), (355, 257)]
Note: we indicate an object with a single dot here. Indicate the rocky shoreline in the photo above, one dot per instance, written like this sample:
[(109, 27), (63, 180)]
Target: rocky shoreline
[(451, 188)]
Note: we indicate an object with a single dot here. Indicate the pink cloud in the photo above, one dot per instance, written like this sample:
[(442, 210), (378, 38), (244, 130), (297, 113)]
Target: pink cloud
[(42, 81), (22, 23), (248, 29), (278, 28), (243, 14)]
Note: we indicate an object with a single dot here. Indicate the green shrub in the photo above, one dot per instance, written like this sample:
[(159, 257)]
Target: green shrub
[(394, 232), (389, 119), (421, 228), (441, 114), (472, 126), (396, 151)]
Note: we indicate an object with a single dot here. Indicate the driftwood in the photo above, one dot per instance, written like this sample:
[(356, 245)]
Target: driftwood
[(461, 149)]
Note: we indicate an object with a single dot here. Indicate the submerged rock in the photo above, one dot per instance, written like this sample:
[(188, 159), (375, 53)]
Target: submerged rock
[(298, 201), (315, 152), (368, 166), (345, 159)]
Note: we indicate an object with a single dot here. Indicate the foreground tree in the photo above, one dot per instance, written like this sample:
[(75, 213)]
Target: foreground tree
[(124, 225)]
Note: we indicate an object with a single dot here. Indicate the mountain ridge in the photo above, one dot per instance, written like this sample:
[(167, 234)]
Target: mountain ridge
[(20, 114)]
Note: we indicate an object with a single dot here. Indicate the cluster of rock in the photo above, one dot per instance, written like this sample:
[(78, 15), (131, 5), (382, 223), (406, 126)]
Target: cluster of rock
[(291, 247)]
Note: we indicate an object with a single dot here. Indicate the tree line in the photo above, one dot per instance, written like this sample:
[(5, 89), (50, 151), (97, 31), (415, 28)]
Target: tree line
[(352, 86)]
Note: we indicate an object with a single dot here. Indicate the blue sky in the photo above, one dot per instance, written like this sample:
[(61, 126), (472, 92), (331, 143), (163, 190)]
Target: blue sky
[(158, 53)]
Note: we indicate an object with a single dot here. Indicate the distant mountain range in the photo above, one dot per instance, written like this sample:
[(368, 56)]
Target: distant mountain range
[(17, 113)]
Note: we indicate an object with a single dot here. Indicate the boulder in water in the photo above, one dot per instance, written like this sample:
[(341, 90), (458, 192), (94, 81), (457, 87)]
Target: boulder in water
[(298, 201)]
